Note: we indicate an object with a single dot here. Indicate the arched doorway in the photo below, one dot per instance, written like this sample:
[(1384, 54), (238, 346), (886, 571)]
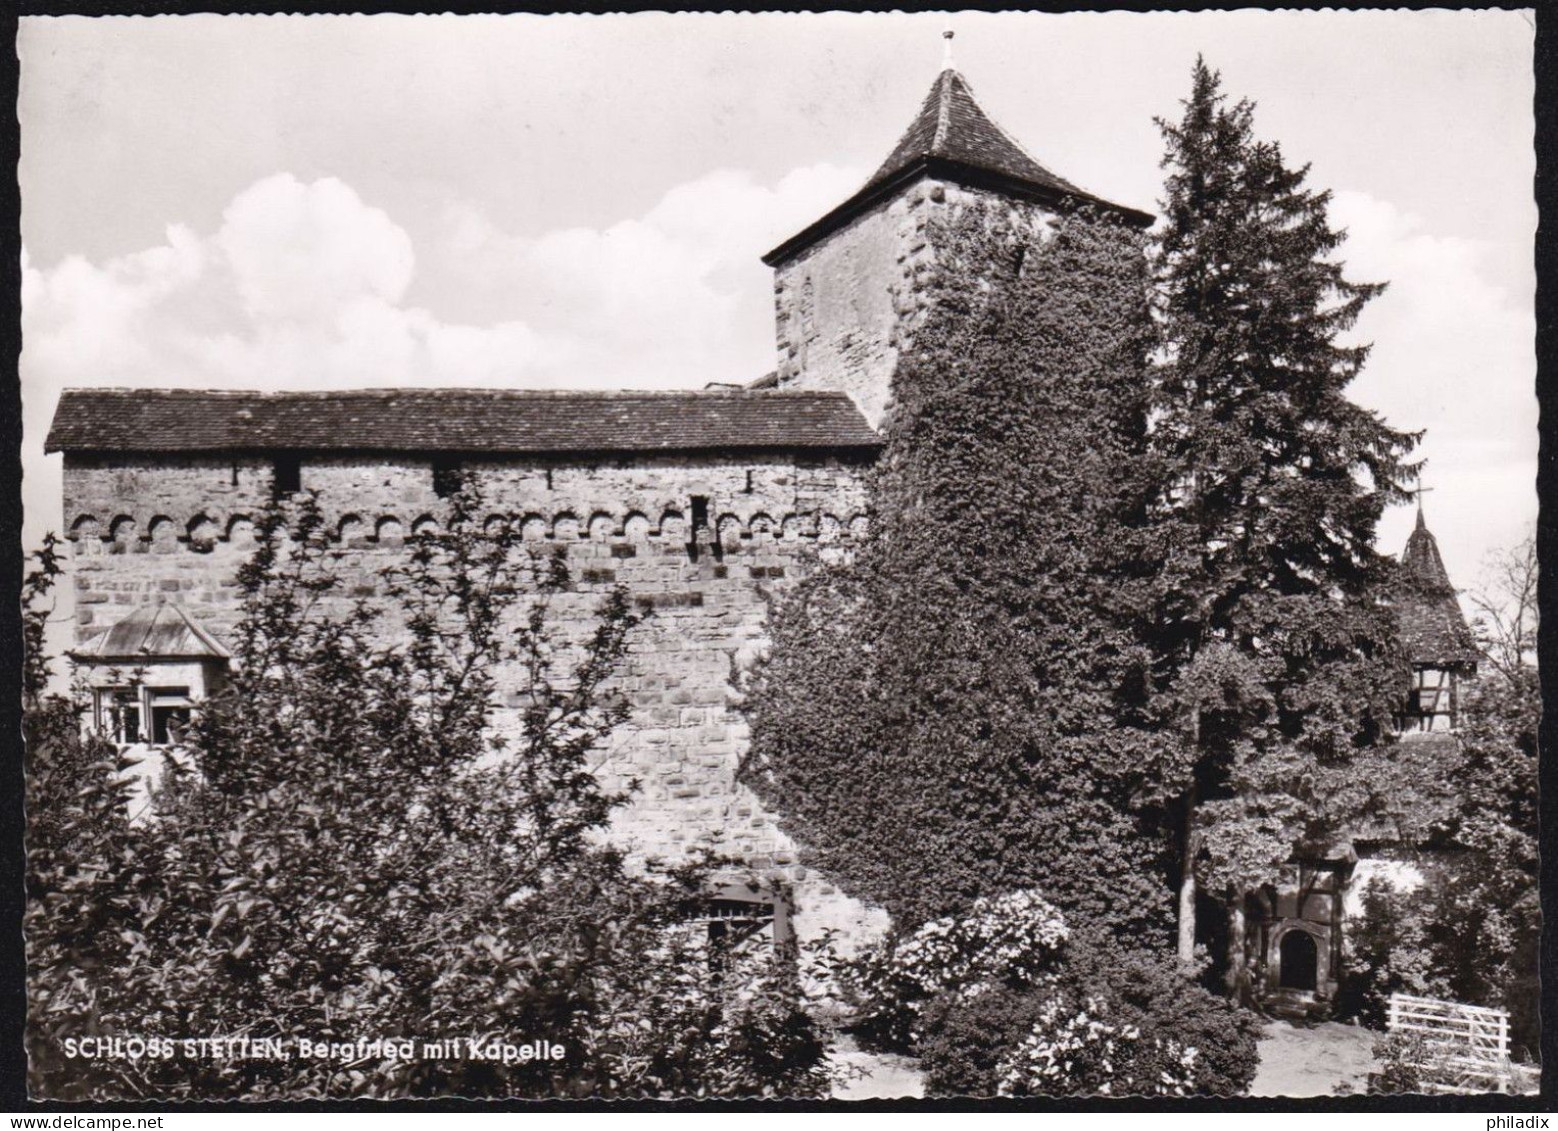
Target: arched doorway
[(1300, 961)]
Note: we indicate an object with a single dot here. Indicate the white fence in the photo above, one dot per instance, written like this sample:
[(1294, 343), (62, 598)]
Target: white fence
[(1469, 1043)]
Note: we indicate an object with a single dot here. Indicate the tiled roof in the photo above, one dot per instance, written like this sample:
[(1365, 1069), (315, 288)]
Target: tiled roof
[(952, 125), (453, 420), (1433, 629), (953, 137), (156, 631)]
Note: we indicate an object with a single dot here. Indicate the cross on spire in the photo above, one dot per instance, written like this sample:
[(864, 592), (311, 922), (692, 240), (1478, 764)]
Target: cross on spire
[(1420, 491)]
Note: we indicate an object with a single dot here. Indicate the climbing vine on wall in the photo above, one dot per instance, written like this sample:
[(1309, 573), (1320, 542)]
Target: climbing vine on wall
[(962, 709)]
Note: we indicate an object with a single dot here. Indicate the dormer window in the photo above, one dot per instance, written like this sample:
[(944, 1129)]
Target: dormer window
[(150, 669)]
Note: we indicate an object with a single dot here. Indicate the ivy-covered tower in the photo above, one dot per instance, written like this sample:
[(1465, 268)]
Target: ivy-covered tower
[(849, 288)]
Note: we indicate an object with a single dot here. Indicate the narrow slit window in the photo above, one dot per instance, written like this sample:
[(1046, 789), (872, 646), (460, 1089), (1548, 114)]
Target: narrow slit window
[(700, 512), (288, 475), (447, 475)]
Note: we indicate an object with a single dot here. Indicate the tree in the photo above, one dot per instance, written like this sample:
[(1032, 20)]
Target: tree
[(1487, 917), (1471, 932), (1277, 655), (357, 853), (959, 711), (1505, 622)]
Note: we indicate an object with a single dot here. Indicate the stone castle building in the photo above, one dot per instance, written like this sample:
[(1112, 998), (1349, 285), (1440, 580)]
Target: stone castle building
[(701, 503)]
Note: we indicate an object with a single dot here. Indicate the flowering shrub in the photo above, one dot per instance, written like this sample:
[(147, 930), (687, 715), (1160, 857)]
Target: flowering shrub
[(1011, 940), (1104, 1021), (1075, 1048)]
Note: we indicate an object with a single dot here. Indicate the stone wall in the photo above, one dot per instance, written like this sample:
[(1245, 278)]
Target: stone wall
[(175, 528), (848, 305)]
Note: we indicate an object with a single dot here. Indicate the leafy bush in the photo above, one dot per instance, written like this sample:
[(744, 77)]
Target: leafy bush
[(1010, 940), (358, 853), (1408, 1063), (1387, 949), (1108, 1022), (1006, 999)]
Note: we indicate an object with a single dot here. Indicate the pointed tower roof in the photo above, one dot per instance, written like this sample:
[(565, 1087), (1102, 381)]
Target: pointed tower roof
[(1433, 628), (954, 139), (1422, 562), (952, 125)]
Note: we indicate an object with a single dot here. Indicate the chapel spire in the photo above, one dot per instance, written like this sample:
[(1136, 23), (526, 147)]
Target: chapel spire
[(1433, 627)]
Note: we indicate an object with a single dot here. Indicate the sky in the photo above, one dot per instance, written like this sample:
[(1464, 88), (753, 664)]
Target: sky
[(291, 202)]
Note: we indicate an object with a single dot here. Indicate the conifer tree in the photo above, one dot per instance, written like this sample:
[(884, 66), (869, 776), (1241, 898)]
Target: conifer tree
[(960, 712), (1278, 651)]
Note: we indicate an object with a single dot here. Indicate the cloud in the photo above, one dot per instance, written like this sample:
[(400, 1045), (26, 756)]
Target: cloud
[(306, 285), (1454, 355), (301, 252), (678, 296)]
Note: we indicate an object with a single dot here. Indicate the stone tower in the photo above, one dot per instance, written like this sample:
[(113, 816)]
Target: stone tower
[(849, 289)]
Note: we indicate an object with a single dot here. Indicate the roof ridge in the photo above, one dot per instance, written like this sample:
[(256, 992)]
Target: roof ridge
[(944, 106), (468, 390), (465, 420)]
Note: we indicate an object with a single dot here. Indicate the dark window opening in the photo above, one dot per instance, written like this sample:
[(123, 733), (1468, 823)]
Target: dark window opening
[(288, 476), (169, 713), (699, 521), (448, 474), (1300, 961), (733, 925), (749, 481), (1018, 260), (235, 475), (549, 479)]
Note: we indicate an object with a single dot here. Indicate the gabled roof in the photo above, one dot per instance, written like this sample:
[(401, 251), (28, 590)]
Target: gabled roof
[(456, 421), (953, 138), (1433, 628), (164, 632)]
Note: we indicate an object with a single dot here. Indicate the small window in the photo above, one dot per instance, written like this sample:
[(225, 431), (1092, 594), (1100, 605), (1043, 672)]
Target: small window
[(169, 713), (288, 476), (700, 512), (748, 487), (119, 714), (447, 477)]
